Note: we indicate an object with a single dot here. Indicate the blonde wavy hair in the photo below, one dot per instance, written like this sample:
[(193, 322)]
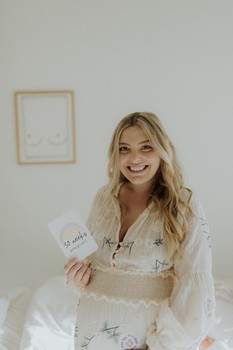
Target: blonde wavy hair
[(168, 181)]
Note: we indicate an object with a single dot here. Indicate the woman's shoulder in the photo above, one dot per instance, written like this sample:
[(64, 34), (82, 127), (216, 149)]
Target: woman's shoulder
[(186, 195), (98, 202), (103, 196), (100, 193), (190, 198)]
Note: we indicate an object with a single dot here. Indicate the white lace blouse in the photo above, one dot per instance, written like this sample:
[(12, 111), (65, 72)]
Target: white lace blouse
[(187, 312)]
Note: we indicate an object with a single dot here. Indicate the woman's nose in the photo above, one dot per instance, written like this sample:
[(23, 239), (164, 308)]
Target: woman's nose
[(135, 158)]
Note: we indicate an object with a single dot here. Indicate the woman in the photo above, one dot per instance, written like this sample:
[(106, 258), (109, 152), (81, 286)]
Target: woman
[(149, 285)]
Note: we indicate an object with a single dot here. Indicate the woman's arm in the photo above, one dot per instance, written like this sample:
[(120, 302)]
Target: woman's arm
[(185, 318)]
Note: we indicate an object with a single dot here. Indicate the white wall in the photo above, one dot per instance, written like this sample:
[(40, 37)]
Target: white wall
[(170, 57)]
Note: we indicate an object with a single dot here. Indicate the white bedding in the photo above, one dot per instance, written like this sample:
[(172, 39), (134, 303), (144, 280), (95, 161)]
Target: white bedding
[(13, 308), (44, 320)]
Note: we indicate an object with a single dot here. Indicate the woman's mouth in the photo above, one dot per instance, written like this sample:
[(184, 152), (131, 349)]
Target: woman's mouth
[(137, 169)]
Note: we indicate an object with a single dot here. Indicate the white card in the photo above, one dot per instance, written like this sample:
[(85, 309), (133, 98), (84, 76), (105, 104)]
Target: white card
[(72, 235)]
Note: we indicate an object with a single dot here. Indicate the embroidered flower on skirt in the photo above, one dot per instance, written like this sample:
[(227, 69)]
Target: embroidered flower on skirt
[(128, 341)]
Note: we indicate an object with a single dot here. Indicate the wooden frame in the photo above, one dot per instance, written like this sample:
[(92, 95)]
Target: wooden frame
[(45, 127)]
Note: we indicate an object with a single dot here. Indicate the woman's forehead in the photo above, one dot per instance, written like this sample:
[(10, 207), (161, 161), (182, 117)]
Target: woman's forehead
[(133, 133)]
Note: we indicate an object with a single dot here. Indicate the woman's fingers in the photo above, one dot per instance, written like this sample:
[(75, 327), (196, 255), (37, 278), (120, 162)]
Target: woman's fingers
[(83, 275), (71, 268), (73, 271), (77, 272), (70, 263)]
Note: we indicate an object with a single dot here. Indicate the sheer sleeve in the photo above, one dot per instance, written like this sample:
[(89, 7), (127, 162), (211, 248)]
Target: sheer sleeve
[(185, 318), (96, 209)]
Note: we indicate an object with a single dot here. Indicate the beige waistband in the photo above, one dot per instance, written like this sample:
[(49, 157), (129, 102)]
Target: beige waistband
[(129, 288)]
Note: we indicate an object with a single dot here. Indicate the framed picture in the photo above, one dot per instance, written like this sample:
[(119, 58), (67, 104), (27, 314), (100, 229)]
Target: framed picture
[(45, 127)]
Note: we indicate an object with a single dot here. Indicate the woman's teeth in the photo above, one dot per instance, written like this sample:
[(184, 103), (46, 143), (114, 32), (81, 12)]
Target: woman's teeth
[(140, 168)]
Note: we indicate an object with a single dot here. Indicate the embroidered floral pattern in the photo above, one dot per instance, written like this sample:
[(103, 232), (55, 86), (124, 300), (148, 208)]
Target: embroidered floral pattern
[(128, 341), (159, 265), (76, 331), (110, 332), (108, 243), (158, 242), (128, 246), (194, 346), (209, 307), (205, 228)]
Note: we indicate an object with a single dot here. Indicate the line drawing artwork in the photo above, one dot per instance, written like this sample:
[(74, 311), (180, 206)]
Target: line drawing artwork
[(45, 127)]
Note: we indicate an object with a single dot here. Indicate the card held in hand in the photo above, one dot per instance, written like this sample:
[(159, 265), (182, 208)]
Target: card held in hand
[(72, 235)]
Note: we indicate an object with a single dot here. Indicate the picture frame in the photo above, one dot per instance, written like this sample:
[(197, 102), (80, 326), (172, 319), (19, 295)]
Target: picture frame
[(45, 127)]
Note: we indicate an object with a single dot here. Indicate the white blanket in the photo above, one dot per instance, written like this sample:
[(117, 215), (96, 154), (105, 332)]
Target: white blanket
[(51, 317)]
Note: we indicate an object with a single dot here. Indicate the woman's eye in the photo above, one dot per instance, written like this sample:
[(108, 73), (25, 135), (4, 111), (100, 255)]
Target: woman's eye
[(123, 149), (146, 148)]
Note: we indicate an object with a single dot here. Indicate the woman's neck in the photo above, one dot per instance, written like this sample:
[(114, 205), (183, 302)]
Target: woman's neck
[(137, 194), (142, 190)]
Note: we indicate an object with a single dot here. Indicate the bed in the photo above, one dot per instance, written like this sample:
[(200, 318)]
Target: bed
[(44, 319)]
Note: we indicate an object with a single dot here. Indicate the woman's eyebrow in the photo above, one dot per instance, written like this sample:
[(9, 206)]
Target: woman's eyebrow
[(140, 143)]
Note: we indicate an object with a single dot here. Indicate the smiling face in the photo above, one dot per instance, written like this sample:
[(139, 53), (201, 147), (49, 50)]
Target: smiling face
[(138, 159)]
